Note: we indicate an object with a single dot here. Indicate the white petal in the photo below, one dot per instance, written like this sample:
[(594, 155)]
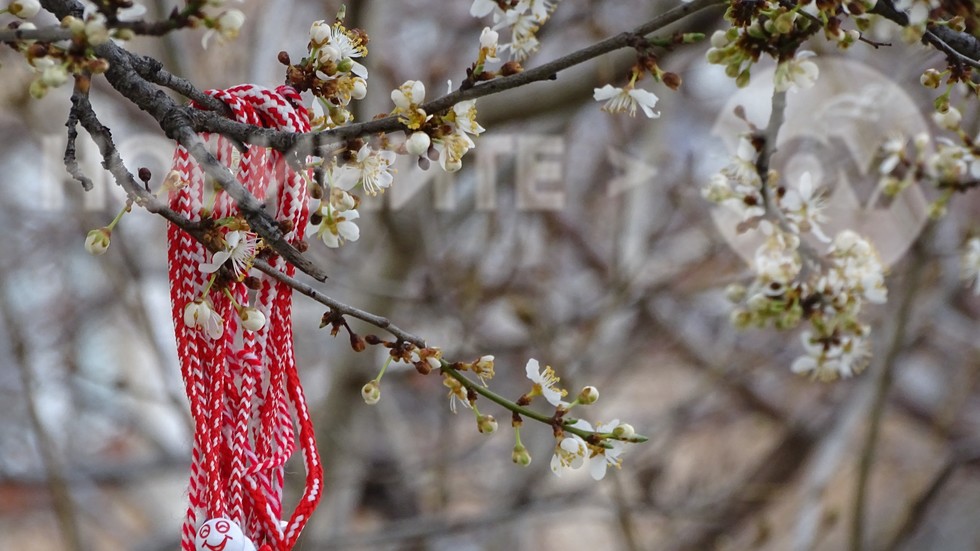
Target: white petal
[(606, 92), (533, 370)]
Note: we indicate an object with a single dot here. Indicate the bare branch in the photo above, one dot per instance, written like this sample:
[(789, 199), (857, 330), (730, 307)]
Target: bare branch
[(339, 307)]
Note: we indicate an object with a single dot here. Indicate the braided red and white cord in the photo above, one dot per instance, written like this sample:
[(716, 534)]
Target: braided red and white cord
[(243, 387)]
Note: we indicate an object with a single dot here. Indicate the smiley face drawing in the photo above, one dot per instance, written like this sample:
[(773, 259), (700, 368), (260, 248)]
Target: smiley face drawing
[(221, 534)]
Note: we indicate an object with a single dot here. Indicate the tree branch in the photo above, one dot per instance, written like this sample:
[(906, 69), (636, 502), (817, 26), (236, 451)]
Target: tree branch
[(378, 321)]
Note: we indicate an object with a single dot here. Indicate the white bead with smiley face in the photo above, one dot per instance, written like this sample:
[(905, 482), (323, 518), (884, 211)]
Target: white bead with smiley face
[(222, 534)]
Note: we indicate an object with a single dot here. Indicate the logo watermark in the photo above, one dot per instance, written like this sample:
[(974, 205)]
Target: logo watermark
[(834, 131), (532, 166)]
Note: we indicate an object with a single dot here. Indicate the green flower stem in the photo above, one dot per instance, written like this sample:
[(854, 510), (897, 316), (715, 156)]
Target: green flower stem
[(126, 208), (238, 307), (383, 369), (523, 411), (207, 288)]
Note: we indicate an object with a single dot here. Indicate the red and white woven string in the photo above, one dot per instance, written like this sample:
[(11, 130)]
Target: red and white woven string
[(243, 388)]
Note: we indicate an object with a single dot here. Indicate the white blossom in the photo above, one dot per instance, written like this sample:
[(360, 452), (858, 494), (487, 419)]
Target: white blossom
[(488, 44), (409, 95), (337, 228), (371, 167), (777, 259), (338, 45), (200, 314), (827, 359), (604, 457), (619, 100), (465, 113), (544, 383), (797, 73), (571, 451), (804, 207), (451, 149), (240, 248)]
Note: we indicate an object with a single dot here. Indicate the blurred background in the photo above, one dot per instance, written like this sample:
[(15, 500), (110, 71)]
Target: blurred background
[(605, 263)]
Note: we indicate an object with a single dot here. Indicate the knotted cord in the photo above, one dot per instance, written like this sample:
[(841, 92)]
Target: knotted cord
[(243, 386)]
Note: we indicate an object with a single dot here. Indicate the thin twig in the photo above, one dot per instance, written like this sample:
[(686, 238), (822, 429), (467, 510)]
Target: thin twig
[(339, 307), (325, 140), (53, 33), (887, 368), (61, 498)]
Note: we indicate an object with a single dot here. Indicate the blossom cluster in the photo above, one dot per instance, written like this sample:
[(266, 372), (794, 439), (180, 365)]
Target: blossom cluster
[(578, 443), (826, 284), (331, 71), (236, 247), (523, 17), (119, 20), (777, 30)]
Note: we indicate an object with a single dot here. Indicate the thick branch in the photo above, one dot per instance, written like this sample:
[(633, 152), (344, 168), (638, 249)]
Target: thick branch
[(962, 46)]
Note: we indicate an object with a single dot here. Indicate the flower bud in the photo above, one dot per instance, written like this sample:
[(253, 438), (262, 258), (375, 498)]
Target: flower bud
[(950, 120), (252, 319), (931, 78), (486, 424), (97, 241), (37, 89), (719, 39), (511, 68), (624, 430), (714, 55), (743, 79), (588, 395), (483, 368), (735, 292), (521, 456), (196, 313), (740, 318), (418, 143), (359, 90), (671, 80), (24, 9), (229, 23), (371, 392), (691, 38)]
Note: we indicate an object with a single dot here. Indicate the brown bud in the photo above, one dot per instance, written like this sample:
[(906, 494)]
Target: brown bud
[(98, 66), (144, 174), (671, 80), (511, 68), (357, 343), (302, 246), (373, 339), (316, 192), (37, 50), (423, 367), (316, 218), (253, 283), (283, 58), (286, 226)]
